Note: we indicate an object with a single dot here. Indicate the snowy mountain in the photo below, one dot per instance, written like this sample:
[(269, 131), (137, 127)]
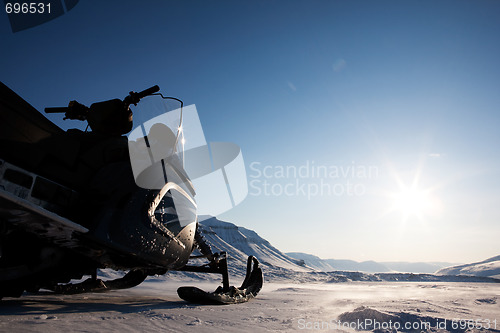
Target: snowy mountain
[(312, 261), (416, 267), (328, 265), (489, 267), (364, 266), (240, 243)]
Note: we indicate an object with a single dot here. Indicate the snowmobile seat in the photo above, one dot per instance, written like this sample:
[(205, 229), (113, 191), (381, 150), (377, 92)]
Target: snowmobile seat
[(21, 127), (33, 142), (21, 122)]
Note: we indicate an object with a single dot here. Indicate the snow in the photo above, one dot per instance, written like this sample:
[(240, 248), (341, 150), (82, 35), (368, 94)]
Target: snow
[(240, 243), (488, 267), (312, 261), (294, 298), (281, 307)]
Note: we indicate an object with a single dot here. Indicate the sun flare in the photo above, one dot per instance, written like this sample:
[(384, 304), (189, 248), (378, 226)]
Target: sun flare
[(412, 201)]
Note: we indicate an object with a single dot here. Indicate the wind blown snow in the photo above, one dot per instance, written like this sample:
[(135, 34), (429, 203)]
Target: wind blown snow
[(295, 297)]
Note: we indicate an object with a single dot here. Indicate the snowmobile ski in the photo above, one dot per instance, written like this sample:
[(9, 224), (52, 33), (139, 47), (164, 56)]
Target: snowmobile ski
[(228, 295), (198, 296)]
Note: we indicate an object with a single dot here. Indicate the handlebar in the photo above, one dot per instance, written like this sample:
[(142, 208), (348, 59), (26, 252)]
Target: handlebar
[(61, 109), (78, 111), (149, 91), (134, 98)]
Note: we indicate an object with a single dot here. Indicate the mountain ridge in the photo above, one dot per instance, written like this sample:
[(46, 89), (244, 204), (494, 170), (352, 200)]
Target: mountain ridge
[(240, 242), (368, 266), (489, 267)]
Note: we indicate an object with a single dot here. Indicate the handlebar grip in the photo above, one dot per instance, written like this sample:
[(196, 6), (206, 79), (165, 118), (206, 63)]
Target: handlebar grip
[(62, 109), (148, 91)]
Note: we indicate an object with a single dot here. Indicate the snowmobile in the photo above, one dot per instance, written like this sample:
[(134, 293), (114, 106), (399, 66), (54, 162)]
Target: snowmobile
[(73, 202)]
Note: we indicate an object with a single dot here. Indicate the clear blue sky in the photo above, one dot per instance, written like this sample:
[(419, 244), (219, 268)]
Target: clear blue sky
[(410, 88)]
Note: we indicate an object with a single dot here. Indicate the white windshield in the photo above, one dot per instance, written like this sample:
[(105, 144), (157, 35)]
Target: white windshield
[(157, 136)]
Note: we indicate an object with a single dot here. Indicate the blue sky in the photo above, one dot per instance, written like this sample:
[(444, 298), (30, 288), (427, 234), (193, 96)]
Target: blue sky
[(410, 87)]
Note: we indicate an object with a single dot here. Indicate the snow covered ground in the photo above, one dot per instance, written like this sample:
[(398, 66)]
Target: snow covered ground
[(155, 307), (294, 298)]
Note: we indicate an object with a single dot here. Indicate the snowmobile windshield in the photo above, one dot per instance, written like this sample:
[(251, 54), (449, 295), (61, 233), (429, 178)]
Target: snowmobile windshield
[(157, 139), (156, 149)]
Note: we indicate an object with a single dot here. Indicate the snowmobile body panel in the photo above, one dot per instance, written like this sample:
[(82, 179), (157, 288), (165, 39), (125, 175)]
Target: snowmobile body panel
[(119, 242)]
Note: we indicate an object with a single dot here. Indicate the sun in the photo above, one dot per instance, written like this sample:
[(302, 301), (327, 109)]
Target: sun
[(413, 201)]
